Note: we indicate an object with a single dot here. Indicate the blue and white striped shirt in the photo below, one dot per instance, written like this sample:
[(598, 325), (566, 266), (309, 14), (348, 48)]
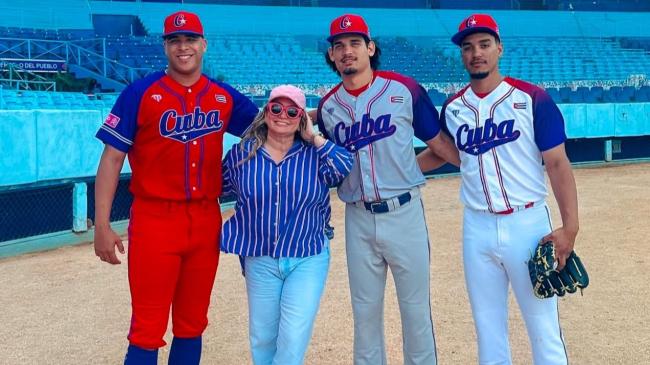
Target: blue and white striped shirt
[(281, 209)]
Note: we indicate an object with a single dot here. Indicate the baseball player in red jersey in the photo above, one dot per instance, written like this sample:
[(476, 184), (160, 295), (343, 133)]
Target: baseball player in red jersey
[(375, 115), (171, 125), (504, 129)]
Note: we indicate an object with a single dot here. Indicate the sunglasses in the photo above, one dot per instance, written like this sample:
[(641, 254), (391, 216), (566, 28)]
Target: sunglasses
[(289, 111)]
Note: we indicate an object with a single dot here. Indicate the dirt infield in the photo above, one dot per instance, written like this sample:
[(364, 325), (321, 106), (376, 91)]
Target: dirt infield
[(66, 307)]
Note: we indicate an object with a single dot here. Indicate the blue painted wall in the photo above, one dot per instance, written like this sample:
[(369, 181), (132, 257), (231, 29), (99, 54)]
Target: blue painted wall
[(41, 145), (603, 120), (47, 145), (18, 160)]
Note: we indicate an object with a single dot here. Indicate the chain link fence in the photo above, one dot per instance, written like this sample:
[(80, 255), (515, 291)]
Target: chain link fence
[(121, 202), (35, 210)]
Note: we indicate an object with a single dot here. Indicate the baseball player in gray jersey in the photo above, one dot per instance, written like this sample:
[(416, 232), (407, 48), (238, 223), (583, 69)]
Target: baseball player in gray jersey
[(375, 115)]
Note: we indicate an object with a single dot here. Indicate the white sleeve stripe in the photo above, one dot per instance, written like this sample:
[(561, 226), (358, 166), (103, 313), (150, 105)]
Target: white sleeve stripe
[(116, 135)]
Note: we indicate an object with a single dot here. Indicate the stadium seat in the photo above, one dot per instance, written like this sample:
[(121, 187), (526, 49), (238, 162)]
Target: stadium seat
[(642, 94), (595, 95), (576, 96), (565, 93), (610, 96)]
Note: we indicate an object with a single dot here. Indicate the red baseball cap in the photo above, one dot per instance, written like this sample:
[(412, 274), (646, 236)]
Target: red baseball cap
[(182, 22), (348, 24), (476, 23)]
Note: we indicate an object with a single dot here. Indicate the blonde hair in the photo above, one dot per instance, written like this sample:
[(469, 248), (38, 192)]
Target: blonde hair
[(257, 134)]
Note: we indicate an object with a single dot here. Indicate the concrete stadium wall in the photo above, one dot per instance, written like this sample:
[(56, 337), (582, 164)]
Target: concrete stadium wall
[(42, 145), (602, 120), (223, 19)]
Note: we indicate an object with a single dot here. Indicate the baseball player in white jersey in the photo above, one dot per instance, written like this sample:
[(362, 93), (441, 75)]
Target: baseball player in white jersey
[(375, 114), (504, 128)]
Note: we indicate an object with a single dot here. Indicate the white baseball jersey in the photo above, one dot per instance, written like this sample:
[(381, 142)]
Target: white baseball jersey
[(378, 126), (500, 138)]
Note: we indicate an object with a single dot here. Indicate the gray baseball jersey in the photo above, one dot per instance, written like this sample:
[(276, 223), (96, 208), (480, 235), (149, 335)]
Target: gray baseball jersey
[(378, 126)]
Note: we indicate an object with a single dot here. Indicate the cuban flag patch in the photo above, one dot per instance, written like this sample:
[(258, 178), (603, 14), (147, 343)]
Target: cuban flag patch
[(519, 105), (397, 99), (112, 120)]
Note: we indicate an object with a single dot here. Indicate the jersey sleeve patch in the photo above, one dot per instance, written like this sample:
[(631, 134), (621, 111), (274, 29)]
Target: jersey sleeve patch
[(426, 123), (119, 127), (548, 122), (112, 120)]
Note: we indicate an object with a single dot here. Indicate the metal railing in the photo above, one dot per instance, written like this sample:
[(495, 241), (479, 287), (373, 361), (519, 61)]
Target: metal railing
[(18, 79), (87, 53)]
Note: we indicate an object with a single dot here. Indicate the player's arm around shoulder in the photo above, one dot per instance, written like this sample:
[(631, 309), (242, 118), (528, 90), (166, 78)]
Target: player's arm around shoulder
[(440, 149), (429, 161), (108, 174), (564, 188)]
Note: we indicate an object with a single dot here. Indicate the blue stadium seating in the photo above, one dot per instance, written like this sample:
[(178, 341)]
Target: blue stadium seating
[(266, 60), (288, 59), (601, 5)]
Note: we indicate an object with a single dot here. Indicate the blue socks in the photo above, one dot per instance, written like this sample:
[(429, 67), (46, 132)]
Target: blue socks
[(185, 351), (138, 356)]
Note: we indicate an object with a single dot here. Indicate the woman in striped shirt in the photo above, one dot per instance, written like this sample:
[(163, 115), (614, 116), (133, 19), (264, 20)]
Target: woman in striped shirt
[(280, 174)]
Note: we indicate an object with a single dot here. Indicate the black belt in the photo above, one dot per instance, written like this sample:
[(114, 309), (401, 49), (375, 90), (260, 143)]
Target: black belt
[(384, 206)]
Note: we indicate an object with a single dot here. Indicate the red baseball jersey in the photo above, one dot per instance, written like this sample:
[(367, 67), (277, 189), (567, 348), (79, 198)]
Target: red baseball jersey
[(173, 134)]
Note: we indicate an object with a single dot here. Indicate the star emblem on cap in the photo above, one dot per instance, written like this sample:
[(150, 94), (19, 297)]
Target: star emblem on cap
[(347, 23), (472, 22), (180, 20)]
